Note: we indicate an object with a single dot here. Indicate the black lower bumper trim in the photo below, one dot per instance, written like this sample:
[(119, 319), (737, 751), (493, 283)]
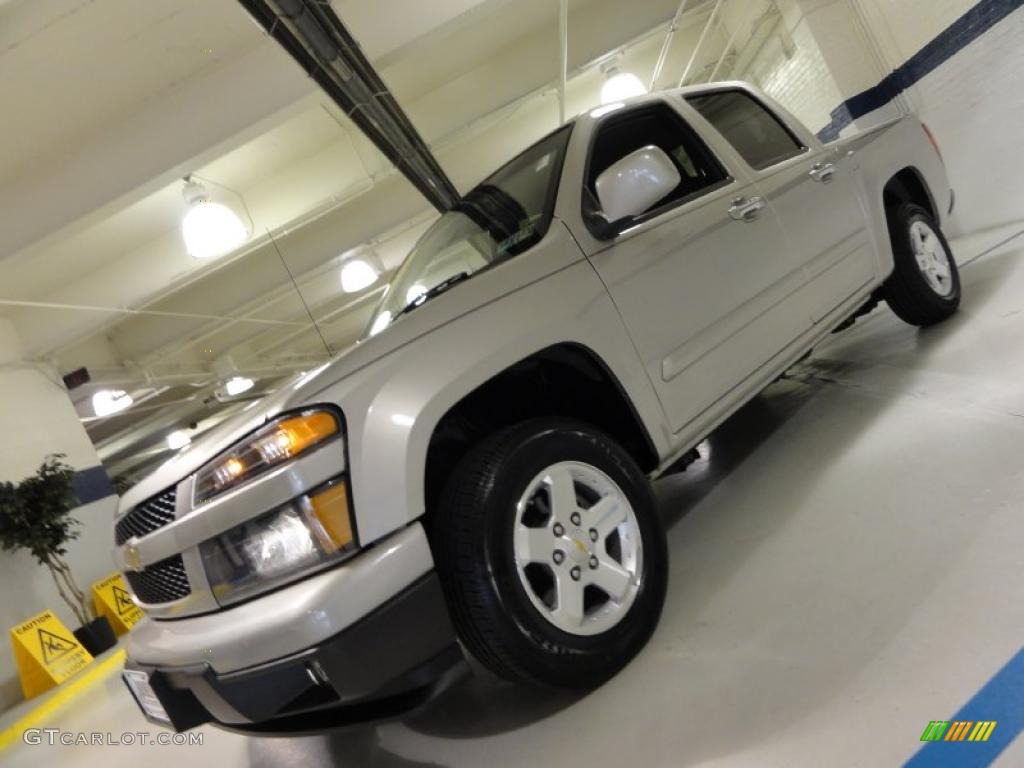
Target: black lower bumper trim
[(390, 661), (437, 675)]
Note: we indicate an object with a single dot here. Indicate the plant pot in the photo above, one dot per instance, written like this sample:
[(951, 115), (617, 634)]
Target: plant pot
[(97, 636)]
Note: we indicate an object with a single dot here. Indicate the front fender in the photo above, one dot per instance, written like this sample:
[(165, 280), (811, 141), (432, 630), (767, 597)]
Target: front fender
[(393, 405)]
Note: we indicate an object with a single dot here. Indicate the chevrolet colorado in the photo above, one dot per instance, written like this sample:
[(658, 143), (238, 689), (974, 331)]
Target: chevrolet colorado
[(473, 477)]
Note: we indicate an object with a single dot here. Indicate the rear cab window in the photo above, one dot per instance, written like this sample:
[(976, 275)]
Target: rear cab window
[(756, 132)]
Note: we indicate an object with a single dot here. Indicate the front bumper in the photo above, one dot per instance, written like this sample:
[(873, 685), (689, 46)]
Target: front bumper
[(390, 661), (289, 619)]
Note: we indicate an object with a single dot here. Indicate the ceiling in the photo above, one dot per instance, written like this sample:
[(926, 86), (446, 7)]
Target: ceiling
[(117, 100)]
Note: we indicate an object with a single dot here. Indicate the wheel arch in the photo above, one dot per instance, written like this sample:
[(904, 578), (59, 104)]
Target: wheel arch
[(566, 379), (909, 186)]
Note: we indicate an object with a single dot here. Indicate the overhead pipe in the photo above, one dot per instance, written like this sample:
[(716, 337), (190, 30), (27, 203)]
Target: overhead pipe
[(667, 44), (563, 69), (197, 376), (700, 41), (313, 34), (127, 311), (326, 317), (758, 39), (725, 52)]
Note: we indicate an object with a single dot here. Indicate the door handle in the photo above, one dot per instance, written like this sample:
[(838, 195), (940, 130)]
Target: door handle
[(823, 172), (746, 209)]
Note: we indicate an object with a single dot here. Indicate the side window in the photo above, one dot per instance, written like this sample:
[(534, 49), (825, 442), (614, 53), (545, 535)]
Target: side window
[(659, 125), (756, 133)]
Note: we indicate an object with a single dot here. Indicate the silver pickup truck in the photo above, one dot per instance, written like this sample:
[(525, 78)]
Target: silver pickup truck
[(473, 477)]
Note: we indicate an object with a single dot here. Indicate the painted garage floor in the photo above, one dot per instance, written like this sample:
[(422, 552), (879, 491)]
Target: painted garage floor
[(846, 566)]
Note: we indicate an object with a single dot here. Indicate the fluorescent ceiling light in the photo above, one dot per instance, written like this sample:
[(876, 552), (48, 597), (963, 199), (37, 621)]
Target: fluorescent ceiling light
[(178, 439), (238, 385), (356, 275), (210, 228), (107, 402)]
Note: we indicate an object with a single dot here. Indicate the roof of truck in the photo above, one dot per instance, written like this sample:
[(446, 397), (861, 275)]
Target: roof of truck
[(596, 113)]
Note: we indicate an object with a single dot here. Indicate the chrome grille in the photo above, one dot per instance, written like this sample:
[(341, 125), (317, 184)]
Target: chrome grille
[(147, 517), (160, 582)]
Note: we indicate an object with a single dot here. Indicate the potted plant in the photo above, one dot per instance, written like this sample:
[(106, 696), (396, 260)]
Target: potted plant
[(35, 515)]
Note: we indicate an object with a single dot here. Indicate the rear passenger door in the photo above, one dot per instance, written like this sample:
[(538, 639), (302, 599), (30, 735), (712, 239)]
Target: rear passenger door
[(811, 188), (702, 292)]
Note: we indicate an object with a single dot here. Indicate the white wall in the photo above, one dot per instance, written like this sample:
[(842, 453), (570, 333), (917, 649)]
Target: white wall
[(827, 51), (811, 57), (792, 68), (832, 62), (903, 27), (36, 419), (974, 103)]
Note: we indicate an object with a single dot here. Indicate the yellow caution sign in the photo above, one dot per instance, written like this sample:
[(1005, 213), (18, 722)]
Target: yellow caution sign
[(113, 600), (46, 653)]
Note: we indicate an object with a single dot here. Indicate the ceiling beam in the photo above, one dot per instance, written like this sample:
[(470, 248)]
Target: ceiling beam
[(313, 34)]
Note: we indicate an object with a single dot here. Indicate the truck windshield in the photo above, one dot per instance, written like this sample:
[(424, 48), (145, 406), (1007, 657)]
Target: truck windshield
[(506, 214)]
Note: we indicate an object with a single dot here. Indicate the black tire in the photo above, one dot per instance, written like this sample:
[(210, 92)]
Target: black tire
[(472, 535), (907, 291)]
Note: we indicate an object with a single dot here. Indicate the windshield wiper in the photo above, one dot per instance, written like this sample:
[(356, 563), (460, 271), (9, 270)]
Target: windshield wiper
[(437, 290)]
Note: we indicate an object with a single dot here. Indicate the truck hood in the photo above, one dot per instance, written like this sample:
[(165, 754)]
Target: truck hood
[(301, 390), (481, 289)]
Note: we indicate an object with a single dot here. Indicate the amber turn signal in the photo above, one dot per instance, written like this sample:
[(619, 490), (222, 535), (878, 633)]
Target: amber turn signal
[(330, 508), (298, 433)]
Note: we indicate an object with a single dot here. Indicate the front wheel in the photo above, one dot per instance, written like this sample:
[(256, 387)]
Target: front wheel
[(551, 554), (924, 287)]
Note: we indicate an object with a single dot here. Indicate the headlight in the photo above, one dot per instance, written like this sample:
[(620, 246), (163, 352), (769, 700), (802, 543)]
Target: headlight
[(277, 442), (300, 537)]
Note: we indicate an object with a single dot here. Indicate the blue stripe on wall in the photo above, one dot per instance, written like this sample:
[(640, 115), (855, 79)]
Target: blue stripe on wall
[(91, 485), (1002, 700), (950, 41)]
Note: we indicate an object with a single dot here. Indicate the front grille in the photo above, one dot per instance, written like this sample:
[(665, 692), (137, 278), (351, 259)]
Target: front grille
[(147, 517), (161, 582)]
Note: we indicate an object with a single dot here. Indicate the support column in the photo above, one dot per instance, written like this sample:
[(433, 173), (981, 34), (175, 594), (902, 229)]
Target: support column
[(36, 415), (37, 419)]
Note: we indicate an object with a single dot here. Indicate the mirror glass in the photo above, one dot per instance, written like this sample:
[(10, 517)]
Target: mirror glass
[(630, 186)]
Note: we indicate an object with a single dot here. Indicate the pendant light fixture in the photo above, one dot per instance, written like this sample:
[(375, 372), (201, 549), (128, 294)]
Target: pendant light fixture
[(619, 85), (360, 268), (210, 228)]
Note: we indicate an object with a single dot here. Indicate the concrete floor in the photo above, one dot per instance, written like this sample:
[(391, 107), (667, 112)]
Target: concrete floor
[(846, 566)]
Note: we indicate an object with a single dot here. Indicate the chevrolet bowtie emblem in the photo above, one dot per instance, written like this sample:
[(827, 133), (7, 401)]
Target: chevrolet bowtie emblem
[(131, 557)]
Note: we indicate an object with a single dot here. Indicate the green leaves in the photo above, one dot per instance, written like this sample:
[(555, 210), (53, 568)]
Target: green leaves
[(34, 514)]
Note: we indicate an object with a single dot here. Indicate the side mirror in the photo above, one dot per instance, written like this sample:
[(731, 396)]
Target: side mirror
[(630, 186)]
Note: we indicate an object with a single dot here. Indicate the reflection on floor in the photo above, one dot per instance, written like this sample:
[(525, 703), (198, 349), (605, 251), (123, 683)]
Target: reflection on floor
[(845, 568)]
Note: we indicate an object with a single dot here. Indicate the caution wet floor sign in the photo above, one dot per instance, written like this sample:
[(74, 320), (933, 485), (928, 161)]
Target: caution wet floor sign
[(113, 601), (46, 653)]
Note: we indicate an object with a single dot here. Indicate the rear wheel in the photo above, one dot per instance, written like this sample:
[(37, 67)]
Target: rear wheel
[(551, 554), (924, 287)]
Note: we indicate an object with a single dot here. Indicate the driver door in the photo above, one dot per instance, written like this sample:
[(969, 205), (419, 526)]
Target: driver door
[(700, 279)]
